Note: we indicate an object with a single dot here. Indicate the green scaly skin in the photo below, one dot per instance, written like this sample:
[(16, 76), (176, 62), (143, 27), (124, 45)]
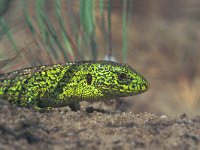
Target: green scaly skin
[(59, 85)]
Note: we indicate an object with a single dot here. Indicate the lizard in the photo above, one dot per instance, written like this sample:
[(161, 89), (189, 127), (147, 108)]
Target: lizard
[(58, 85)]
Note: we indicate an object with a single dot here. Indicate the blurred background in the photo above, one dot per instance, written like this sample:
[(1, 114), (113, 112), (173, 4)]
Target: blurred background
[(160, 39)]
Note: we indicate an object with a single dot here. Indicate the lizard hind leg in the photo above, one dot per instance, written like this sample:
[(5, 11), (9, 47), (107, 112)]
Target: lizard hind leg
[(40, 106), (42, 110)]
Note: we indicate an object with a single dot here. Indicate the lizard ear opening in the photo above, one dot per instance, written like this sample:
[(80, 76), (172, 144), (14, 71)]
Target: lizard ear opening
[(89, 78)]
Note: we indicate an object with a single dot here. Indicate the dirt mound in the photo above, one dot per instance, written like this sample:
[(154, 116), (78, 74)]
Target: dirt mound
[(21, 128)]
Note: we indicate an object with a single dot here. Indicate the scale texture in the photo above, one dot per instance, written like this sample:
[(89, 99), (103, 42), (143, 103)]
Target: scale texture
[(65, 84)]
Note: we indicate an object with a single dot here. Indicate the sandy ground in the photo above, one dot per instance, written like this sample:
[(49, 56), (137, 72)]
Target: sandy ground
[(21, 128)]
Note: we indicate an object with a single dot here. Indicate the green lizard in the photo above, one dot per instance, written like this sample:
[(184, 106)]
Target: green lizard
[(59, 85)]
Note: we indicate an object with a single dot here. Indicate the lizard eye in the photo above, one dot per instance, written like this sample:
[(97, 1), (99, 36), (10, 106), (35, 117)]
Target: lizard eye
[(122, 76)]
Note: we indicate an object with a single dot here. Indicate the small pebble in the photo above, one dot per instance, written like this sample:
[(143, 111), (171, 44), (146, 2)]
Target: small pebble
[(163, 117)]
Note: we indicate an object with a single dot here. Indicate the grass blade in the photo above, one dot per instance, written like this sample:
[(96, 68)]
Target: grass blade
[(5, 28), (124, 31)]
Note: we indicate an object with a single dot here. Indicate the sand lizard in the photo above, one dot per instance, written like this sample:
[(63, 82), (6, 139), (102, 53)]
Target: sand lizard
[(65, 84)]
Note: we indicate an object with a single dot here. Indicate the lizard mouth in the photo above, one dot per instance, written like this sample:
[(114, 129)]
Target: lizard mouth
[(144, 86)]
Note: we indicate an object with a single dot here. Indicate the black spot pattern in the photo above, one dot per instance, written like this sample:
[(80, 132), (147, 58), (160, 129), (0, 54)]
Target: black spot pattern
[(89, 79)]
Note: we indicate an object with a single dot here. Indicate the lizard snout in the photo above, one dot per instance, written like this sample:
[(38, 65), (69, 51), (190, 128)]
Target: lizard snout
[(144, 85)]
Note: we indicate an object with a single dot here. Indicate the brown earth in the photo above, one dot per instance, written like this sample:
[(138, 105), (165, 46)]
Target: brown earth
[(162, 41), (21, 128)]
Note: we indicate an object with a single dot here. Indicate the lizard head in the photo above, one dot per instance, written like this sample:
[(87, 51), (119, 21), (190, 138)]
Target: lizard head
[(118, 80), (98, 80)]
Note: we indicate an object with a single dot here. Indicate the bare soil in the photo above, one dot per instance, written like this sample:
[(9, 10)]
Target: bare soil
[(22, 128)]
